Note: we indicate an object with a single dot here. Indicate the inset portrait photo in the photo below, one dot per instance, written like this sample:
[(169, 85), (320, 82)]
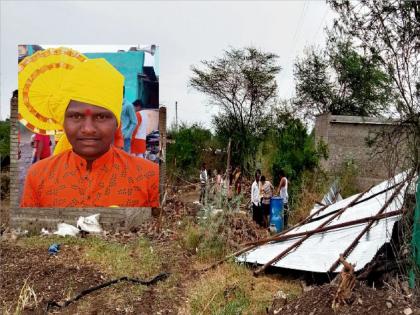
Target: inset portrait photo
[(88, 126)]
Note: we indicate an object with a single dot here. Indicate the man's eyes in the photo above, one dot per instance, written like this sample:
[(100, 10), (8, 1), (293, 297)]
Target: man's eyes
[(101, 117), (97, 117), (76, 116)]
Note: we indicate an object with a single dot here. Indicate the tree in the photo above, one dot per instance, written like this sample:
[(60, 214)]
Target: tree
[(4, 139), (314, 91), (186, 153), (389, 30), (289, 147), (340, 81), (242, 85)]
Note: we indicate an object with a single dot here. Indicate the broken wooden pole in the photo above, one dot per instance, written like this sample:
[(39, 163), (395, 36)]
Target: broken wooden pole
[(315, 231), (360, 201), (308, 219), (237, 253), (252, 245), (353, 244), (228, 158), (299, 242), (341, 225)]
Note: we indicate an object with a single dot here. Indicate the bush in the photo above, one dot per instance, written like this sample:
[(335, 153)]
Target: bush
[(346, 175), (291, 148), (192, 238), (191, 146), (4, 139), (312, 187)]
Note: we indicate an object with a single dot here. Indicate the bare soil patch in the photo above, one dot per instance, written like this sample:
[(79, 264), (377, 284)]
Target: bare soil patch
[(364, 300)]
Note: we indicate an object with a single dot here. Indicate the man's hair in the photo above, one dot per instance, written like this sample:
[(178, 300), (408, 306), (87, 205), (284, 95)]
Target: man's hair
[(258, 171), (262, 178), (138, 103), (281, 173)]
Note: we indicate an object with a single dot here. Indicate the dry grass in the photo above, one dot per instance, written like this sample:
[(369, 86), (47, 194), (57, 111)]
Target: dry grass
[(27, 299), (305, 203), (136, 259), (232, 289), (313, 187)]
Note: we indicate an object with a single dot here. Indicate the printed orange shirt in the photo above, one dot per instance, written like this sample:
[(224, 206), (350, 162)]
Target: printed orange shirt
[(118, 139), (116, 179)]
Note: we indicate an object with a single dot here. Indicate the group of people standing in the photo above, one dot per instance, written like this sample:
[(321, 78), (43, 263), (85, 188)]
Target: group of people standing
[(223, 185), (229, 184), (261, 193)]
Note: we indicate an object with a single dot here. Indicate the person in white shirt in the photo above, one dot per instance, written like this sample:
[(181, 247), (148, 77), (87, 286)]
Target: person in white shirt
[(266, 192), (256, 199), (203, 183), (282, 192)]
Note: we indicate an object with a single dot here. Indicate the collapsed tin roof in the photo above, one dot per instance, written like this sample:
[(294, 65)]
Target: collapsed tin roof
[(357, 226)]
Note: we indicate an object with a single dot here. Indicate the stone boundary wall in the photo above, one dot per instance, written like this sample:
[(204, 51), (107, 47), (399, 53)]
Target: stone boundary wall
[(346, 139), (34, 219)]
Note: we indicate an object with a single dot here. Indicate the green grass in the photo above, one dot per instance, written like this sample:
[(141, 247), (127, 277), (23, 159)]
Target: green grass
[(191, 238), (232, 289), (213, 248)]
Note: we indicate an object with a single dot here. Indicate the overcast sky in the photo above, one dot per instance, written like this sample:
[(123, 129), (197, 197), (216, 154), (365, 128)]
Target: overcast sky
[(186, 32)]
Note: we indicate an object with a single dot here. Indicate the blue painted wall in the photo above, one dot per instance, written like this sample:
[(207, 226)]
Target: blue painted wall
[(129, 64)]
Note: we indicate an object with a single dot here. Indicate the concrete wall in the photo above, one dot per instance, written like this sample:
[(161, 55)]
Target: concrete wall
[(346, 139)]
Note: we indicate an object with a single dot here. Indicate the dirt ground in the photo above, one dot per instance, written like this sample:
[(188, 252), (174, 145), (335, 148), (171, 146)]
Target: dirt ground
[(364, 300), (57, 278), (170, 243)]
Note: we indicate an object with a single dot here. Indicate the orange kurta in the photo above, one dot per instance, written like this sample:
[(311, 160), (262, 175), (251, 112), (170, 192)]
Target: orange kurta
[(118, 139), (116, 179)]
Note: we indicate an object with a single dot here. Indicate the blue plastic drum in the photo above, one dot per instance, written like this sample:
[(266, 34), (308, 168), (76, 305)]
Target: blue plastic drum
[(276, 213)]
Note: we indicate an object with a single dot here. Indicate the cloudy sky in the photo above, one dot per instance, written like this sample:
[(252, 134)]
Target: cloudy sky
[(186, 32)]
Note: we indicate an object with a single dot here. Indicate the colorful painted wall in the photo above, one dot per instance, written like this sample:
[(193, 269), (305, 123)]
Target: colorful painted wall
[(130, 64)]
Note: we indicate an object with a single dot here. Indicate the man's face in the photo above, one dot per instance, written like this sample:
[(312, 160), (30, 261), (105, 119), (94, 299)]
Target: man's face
[(90, 129)]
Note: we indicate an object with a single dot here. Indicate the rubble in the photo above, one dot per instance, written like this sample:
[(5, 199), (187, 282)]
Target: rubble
[(365, 301), (238, 228)]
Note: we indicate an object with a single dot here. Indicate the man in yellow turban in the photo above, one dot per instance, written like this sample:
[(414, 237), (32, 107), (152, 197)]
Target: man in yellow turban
[(87, 170)]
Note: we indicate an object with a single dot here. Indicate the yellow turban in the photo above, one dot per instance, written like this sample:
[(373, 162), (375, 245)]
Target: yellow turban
[(50, 79), (95, 82)]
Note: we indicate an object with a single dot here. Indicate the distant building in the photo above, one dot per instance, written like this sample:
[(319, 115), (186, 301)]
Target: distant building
[(347, 137)]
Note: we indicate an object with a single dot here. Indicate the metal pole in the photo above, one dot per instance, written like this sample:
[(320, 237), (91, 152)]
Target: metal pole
[(228, 156), (176, 115)]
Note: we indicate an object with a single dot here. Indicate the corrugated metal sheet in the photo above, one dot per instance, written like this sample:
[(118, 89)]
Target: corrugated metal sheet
[(319, 252)]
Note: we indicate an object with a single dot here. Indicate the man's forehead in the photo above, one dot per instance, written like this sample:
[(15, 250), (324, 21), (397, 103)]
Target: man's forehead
[(76, 106)]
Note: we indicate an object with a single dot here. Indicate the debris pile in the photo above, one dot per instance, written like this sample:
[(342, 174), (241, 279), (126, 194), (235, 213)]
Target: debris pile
[(237, 228), (364, 300), (347, 284), (314, 243)]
